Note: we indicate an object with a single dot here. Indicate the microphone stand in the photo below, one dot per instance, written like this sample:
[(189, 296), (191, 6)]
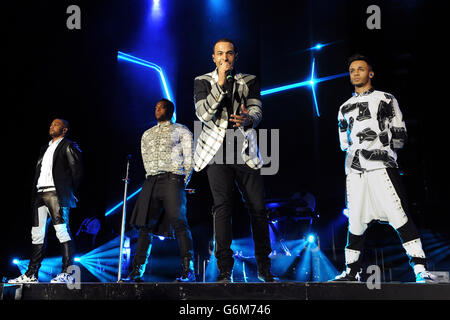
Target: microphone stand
[(124, 214)]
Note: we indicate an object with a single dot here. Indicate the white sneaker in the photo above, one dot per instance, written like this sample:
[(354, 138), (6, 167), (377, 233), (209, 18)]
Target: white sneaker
[(63, 277), (346, 277), (24, 279), (426, 277)]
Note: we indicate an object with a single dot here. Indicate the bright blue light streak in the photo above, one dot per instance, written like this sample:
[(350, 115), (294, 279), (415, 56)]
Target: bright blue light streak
[(15, 261), (312, 82), (121, 202), (319, 46), (148, 64)]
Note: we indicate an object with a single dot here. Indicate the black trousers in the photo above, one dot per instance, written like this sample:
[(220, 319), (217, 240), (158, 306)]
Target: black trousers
[(222, 178), (169, 198)]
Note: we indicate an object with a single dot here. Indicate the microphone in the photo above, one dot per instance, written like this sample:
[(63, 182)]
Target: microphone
[(229, 76)]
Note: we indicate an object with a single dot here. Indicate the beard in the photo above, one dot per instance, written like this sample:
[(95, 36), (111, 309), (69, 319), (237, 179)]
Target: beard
[(55, 134), (163, 117)]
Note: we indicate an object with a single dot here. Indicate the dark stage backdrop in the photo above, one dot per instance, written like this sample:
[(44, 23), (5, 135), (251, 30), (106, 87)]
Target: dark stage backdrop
[(51, 71)]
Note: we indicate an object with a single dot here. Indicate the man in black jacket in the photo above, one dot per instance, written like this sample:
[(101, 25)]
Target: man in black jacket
[(58, 174)]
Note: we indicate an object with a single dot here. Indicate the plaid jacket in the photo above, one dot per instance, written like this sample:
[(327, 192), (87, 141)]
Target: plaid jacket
[(208, 96)]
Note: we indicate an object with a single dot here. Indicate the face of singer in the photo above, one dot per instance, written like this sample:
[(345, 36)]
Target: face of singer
[(224, 54), (57, 129), (360, 73), (161, 112)]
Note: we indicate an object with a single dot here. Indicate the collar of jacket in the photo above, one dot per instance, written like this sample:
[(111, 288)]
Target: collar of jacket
[(365, 93)]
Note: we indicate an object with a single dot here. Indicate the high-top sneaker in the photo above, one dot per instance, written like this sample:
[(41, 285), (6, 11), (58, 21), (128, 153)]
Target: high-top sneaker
[(188, 274), (31, 275)]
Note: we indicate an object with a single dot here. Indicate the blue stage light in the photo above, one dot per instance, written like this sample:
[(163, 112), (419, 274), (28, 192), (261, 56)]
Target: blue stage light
[(129, 58), (345, 212), (108, 212), (311, 238), (312, 82), (318, 46), (77, 259), (15, 261)]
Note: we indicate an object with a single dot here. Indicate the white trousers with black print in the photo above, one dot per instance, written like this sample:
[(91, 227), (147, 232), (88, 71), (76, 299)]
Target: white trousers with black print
[(379, 195)]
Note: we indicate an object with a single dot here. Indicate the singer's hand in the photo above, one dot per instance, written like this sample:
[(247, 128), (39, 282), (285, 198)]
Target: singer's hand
[(243, 119), (222, 71)]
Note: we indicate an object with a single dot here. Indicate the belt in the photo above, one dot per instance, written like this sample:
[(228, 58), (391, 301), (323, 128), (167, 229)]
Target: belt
[(165, 175), (45, 189)]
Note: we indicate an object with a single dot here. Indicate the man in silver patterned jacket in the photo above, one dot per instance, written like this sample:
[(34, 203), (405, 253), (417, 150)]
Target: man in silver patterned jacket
[(167, 153)]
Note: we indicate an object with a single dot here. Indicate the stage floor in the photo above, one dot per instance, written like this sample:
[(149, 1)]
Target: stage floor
[(231, 291)]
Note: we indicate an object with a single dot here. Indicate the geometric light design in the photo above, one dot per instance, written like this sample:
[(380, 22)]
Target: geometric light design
[(311, 83), (129, 58), (108, 212)]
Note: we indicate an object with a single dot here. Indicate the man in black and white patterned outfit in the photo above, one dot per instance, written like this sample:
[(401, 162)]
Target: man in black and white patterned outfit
[(371, 129), (167, 152)]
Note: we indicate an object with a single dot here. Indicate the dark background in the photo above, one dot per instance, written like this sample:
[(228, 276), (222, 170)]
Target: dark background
[(51, 71)]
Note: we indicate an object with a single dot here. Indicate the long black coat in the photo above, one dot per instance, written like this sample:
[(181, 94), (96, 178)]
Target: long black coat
[(67, 171)]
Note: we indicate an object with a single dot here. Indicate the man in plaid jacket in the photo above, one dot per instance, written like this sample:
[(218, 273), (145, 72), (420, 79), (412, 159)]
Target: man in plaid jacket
[(228, 105)]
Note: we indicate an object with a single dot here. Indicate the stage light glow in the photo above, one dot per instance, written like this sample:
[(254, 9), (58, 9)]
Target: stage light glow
[(108, 212), (311, 238), (318, 46), (311, 83), (129, 58), (345, 212), (15, 261)]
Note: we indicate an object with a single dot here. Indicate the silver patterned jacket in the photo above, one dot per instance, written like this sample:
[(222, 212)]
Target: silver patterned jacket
[(208, 96), (168, 147)]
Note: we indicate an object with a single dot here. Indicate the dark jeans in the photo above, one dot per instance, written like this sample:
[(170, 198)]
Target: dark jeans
[(168, 194), (222, 178)]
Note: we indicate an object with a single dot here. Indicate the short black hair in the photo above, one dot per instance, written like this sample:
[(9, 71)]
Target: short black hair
[(169, 106), (358, 56), (65, 123), (225, 40)]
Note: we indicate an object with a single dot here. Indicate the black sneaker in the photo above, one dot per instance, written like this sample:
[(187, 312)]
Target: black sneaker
[(224, 277), (346, 277), (267, 276), (187, 276), (136, 275)]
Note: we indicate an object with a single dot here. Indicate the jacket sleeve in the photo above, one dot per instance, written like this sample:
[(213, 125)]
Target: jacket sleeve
[(342, 130), (253, 102), (206, 100), (397, 127), (75, 160), (187, 144)]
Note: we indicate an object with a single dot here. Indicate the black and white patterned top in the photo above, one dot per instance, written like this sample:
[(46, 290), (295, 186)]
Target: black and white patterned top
[(371, 129), (209, 109), (168, 147)]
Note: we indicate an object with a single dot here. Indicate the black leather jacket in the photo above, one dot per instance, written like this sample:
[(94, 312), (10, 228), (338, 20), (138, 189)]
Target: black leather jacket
[(67, 171)]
